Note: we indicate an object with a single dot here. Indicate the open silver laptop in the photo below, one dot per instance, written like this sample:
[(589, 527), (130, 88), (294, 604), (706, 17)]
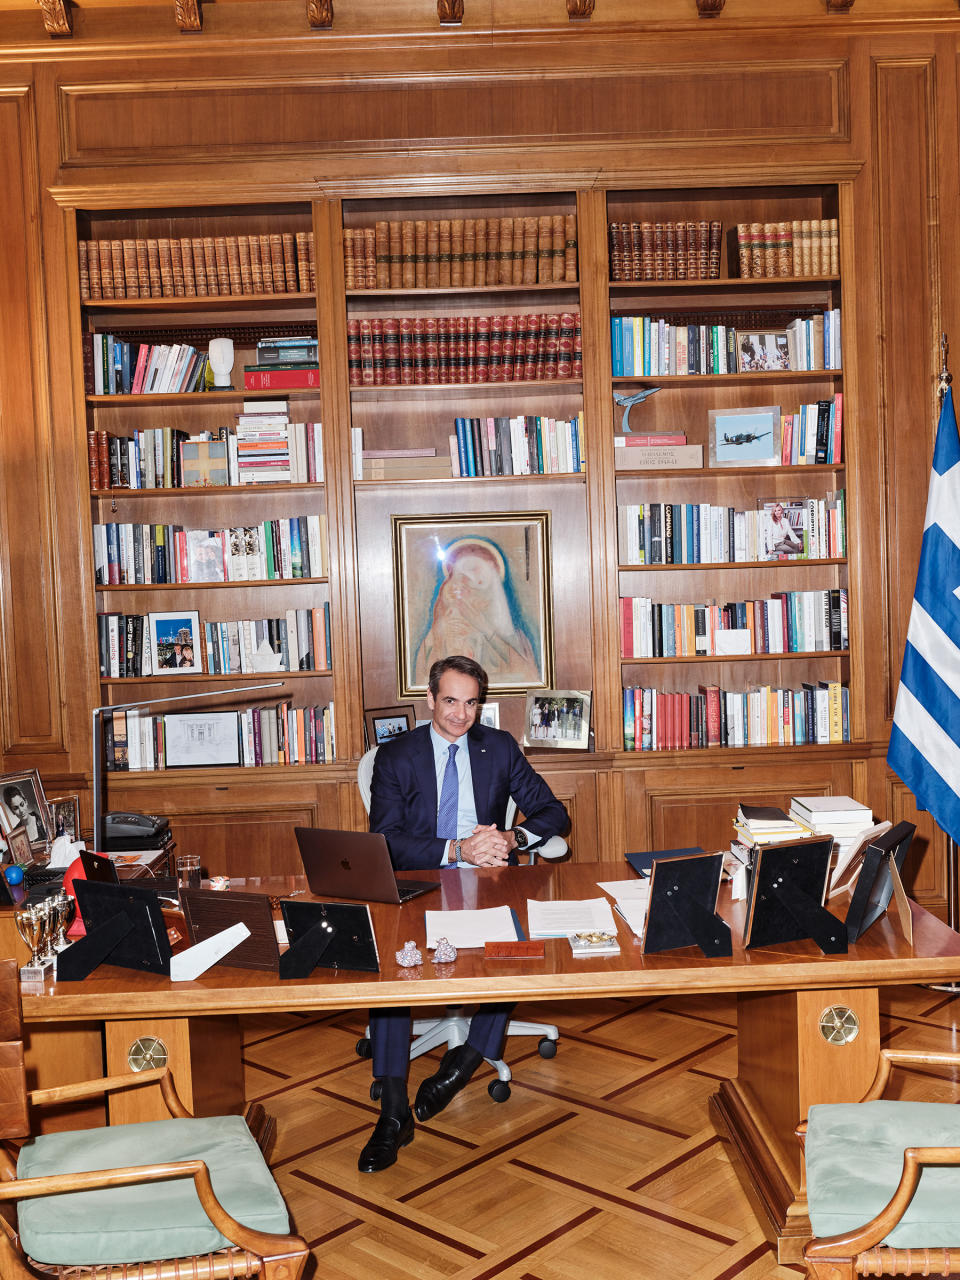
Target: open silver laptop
[(353, 864)]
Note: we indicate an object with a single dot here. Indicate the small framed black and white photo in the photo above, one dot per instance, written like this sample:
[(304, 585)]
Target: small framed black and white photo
[(22, 803), (384, 723), (175, 642), (557, 718)]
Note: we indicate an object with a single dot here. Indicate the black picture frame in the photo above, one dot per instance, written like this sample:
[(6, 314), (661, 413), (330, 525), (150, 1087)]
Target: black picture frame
[(145, 946), (354, 945), (682, 911), (874, 887), (785, 897)]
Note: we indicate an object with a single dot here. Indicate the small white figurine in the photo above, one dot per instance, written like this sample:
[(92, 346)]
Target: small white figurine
[(409, 957), (444, 952), (221, 361)]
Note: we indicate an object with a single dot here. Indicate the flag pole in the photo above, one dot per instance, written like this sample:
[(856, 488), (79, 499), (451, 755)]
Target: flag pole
[(953, 849)]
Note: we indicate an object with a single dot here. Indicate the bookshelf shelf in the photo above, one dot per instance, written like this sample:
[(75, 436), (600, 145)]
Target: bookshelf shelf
[(273, 583), (550, 477), (727, 379), (750, 284), (720, 473), (730, 564), (726, 659), (470, 291), (460, 389), (205, 677), (198, 398), (253, 302), (200, 492)]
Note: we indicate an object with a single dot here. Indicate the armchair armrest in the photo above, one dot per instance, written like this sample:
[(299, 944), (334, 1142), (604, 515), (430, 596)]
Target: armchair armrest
[(915, 1160), (890, 1058), (258, 1242), (109, 1084)]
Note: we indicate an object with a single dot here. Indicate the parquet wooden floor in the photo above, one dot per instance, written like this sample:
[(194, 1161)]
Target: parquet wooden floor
[(603, 1163)]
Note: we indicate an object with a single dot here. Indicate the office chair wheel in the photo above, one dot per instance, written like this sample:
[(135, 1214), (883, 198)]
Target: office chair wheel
[(547, 1048), (376, 1088), (499, 1090), (363, 1047)]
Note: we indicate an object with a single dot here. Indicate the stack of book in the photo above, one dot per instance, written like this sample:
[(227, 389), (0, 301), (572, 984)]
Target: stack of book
[(766, 824), (665, 250), (461, 252), (405, 464), (840, 816), (804, 247), (196, 266), (283, 363), (664, 451), (114, 367)]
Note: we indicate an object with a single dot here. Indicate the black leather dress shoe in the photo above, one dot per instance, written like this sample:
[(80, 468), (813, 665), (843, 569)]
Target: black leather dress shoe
[(437, 1090), (389, 1135)]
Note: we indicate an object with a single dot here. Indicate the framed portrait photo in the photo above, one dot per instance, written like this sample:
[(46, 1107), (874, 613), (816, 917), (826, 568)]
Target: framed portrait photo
[(176, 642), (24, 804), (65, 816), (490, 715), (782, 533), (18, 845), (745, 437), (478, 586), (384, 723), (762, 352), (557, 718)]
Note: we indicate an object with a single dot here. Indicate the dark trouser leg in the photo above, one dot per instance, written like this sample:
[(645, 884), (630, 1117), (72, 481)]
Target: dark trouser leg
[(487, 1027), (390, 1032)]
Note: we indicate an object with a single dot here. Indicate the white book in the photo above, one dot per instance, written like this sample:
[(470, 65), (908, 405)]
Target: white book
[(293, 646)]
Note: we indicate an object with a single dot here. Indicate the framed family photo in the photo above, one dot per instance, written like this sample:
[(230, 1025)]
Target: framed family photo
[(65, 816), (557, 718), (384, 723), (781, 526), (763, 352), (479, 586), (22, 803), (175, 642), (745, 437)]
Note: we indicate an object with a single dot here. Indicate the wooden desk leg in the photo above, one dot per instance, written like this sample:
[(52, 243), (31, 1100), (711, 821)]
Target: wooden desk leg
[(795, 1048), (203, 1054)]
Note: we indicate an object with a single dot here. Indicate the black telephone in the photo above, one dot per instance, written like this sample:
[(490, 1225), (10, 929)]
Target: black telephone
[(133, 825)]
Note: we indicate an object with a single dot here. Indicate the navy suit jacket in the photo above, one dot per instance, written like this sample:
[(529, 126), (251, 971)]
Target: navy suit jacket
[(403, 802)]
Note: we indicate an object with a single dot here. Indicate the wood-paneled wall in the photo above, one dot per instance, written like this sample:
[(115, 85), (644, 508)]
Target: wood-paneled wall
[(256, 108)]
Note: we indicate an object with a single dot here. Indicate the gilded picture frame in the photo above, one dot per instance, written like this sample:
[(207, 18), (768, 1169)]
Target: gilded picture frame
[(477, 585)]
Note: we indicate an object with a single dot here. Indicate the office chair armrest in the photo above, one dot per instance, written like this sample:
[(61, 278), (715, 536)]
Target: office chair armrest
[(108, 1084), (552, 848)]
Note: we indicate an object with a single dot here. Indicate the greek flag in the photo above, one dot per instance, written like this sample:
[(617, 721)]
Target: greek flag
[(925, 740)]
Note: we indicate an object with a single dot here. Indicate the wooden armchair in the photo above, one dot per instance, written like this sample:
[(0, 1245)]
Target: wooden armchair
[(177, 1199), (883, 1182)]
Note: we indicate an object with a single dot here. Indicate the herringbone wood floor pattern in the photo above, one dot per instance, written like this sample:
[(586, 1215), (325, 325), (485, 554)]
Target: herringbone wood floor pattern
[(602, 1164)]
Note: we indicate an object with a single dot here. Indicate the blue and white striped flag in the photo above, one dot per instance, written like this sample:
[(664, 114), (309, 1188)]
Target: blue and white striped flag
[(925, 740)]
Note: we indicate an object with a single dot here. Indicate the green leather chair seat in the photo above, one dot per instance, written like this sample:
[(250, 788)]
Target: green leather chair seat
[(854, 1159), (154, 1220)]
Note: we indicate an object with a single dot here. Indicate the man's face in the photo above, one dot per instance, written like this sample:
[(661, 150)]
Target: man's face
[(454, 709)]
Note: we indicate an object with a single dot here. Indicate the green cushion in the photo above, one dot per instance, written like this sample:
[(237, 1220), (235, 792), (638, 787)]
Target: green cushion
[(854, 1159), (156, 1219)]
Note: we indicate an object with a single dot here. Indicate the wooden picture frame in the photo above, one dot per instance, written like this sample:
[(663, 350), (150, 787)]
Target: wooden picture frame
[(65, 816), (176, 642), (477, 585), (22, 802), (383, 723), (20, 849), (557, 718)]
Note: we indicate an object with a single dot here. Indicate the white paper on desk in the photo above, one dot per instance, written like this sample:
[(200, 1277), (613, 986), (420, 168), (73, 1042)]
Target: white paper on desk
[(563, 919), (470, 928), (635, 890), (634, 912)]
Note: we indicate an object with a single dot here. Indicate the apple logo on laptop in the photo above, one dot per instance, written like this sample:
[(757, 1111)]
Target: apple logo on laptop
[(345, 864)]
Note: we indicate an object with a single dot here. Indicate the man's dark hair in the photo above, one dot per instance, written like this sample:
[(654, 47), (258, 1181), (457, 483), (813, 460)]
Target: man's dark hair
[(10, 792), (466, 667)]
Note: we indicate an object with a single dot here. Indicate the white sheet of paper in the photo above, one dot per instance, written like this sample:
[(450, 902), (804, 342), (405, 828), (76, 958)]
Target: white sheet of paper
[(635, 890), (470, 928), (634, 911), (561, 919)]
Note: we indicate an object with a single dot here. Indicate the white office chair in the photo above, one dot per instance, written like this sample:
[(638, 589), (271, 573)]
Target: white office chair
[(452, 1029)]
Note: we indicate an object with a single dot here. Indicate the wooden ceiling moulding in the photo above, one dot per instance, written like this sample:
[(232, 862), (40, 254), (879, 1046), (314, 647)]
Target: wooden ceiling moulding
[(320, 13), (710, 8), (189, 15), (450, 12), (56, 17), (579, 10)]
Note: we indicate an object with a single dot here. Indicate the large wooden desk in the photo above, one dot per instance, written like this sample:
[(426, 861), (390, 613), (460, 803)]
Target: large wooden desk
[(808, 1024)]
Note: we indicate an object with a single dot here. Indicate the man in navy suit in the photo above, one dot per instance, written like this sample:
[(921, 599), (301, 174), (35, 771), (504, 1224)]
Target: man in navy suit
[(438, 794)]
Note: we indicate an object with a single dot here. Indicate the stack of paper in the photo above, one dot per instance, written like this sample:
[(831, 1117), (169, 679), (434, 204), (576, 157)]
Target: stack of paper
[(470, 928), (632, 898), (561, 919), (766, 824)]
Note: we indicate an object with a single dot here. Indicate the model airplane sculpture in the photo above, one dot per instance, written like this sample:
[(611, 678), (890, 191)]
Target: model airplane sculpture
[(627, 402)]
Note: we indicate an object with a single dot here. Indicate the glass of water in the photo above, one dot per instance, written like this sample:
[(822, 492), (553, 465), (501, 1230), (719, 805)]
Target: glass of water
[(188, 870)]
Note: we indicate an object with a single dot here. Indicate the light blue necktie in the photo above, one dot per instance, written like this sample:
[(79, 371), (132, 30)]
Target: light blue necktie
[(449, 798)]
